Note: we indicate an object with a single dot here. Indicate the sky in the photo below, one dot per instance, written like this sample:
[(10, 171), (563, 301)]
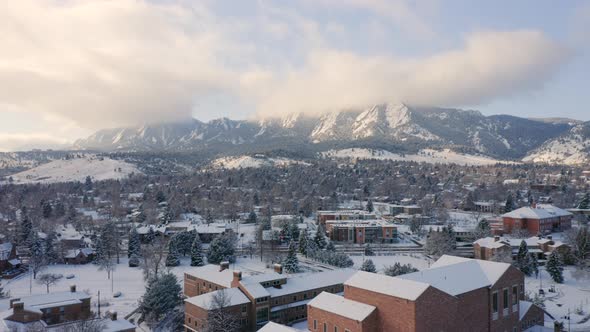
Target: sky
[(71, 67)]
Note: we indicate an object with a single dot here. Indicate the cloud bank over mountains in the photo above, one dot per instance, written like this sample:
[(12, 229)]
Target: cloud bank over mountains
[(105, 64)]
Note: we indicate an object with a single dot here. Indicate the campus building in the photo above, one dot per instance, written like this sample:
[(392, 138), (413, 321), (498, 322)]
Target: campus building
[(538, 219)]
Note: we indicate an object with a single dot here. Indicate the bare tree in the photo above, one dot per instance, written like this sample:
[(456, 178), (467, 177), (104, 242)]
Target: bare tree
[(85, 325), (221, 319), (154, 256), (49, 279)]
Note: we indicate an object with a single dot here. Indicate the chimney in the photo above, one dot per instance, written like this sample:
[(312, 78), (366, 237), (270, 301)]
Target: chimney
[(237, 276), (12, 301), (557, 326), (18, 307), (223, 266), (496, 238), (549, 237), (73, 288), (278, 268)]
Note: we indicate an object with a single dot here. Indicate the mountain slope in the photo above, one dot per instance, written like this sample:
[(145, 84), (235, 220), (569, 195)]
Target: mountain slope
[(378, 126), (572, 148)]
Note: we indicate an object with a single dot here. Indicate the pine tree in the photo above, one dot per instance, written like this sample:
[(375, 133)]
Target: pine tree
[(47, 210), (134, 243), (509, 206), (534, 264), (585, 202), (222, 248), (483, 229), (555, 268), (197, 252), (252, 218), (37, 260), (331, 246), (173, 257), (398, 269), (368, 266), (523, 262), (303, 242), (291, 263), (320, 237), (370, 205), (368, 250), (51, 255), (162, 295), (25, 230), (150, 236), (2, 293), (88, 183)]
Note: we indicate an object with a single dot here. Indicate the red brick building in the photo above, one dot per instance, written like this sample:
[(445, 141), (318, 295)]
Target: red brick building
[(361, 231), (8, 257), (455, 294), (538, 219), (256, 299)]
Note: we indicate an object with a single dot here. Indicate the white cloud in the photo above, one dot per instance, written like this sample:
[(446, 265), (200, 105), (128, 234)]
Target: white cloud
[(490, 65), (24, 142)]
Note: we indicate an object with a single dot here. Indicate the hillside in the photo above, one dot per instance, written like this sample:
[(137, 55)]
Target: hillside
[(572, 148)]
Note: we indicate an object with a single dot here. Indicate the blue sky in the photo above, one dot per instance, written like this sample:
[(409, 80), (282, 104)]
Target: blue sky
[(72, 67)]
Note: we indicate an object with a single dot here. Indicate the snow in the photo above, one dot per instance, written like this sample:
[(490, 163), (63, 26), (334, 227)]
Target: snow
[(76, 169), (210, 272), (569, 150), (255, 290), (254, 162), (397, 287), (43, 301), (492, 270), (542, 211), (274, 327), (235, 296), (338, 305), (418, 261), (445, 156), (304, 282)]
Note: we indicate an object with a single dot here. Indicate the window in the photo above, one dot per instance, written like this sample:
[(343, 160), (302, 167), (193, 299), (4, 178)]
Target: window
[(515, 298), (189, 320), (244, 308), (495, 305), (335, 328), (505, 302), (325, 327), (315, 324)]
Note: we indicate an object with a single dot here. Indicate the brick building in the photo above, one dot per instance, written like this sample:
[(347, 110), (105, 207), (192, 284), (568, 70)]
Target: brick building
[(538, 219), (361, 231), (8, 257), (486, 248), (323, 216), (455, 294), (255, 299)]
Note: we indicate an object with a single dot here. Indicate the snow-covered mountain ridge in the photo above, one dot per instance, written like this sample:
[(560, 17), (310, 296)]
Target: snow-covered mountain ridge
[(572, 148)]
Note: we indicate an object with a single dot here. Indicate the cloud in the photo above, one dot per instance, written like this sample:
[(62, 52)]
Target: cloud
[(109, 63), (490, 65), (25, 142)]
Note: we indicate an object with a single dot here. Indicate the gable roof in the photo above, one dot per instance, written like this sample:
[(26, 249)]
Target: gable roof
[(392, 286), (493, 271), (542, 211), (341, 306), (211, 273), (234, 295)]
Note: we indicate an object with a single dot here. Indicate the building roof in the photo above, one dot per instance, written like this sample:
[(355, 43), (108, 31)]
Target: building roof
[(492, 270), (523, 308), (255, 290), (5, 250), (117, 325), (274, 327), (311, 281), (338, 305), (73, 253), (542, 211), (263, 277), (43, 301), (397, 287), (234, 295), (490, 242), (211, 273)]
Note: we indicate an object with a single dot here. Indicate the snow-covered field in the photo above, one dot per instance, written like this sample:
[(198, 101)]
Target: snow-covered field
[(253, 162), (572, 295), (418, 261), (445, 156), (569, 150), (76, 169)]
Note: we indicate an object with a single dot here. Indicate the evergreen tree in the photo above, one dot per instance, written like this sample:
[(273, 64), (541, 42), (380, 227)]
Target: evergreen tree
[(291, 263), (368, 266), (331, 246), (37, 261), (369, 250), (47, 210), (2, 293), (197, 252), (523, 262), (222, 248), (162, 295), (150, 236), (160, 197), (398, 269), (134, 243), (184, 241), (25, 230), (303, 242), (320, 237), (370, 205), (585, 202), (88, 183), (51, 255), (534, 264), (173, 257), (252, 217), (509, 206), (134, 260), (483, 229), (554, 267)]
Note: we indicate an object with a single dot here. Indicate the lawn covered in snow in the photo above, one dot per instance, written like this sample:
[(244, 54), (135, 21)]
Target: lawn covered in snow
[(418, 261)]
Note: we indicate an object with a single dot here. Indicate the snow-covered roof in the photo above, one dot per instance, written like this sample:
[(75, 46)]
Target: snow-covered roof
[(234, 296), (73, 253), (492, 270), (274, 327), (211, 273), (542, 211), (490, 242), (401, 288), (213, 228), (42, 301), (263, 277), (5, 250), (452, 279), (117, 325), (255, 290), (338, 305), (156, 228), (311, 281)]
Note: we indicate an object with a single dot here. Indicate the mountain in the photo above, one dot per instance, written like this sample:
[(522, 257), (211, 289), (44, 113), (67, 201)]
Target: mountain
[(571, 148), (391, 126)]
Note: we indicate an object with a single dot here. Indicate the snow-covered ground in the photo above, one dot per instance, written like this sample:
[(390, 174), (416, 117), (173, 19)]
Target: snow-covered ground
[(572, 295), (418, 261), (445, 156), (569, 150), (76, 169), (253, 162)]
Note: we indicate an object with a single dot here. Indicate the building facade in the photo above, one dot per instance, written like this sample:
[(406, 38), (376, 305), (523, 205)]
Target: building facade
[(538, 219)]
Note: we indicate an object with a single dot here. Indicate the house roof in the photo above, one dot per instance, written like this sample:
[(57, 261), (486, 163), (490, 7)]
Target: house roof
[(274, 327), (255, 290), (311, 281), (492, 270), (523, 308), (397, 287), (542, 211), (234, 295), (211, 273), (338, 305), (43, 301)]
